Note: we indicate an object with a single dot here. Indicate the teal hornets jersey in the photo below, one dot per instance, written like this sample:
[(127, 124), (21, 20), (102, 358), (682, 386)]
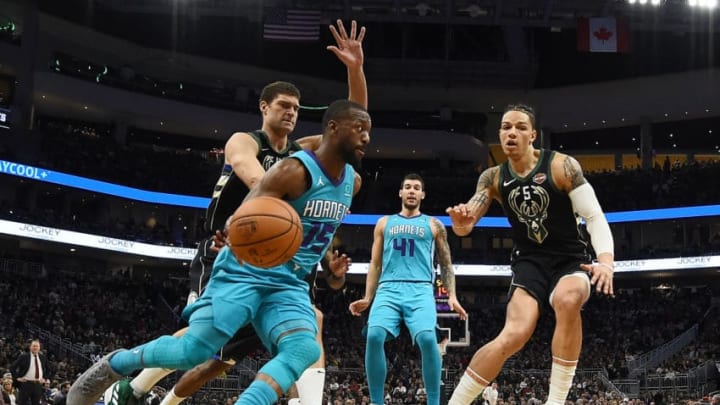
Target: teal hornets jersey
[(322, 209), (408, 249)]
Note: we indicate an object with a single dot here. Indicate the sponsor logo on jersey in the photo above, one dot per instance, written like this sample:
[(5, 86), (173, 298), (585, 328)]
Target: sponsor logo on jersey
[(540, 178)]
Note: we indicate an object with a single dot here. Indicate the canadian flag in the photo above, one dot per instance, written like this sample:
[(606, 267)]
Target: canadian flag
[(602, 34)]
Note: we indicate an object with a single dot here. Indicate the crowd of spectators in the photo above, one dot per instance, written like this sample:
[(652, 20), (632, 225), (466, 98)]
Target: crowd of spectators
[(83, 211), (91, 150), (119, 309), (89, 311)]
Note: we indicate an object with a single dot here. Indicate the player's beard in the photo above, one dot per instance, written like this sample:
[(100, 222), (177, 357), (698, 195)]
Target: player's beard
[(352, 159)]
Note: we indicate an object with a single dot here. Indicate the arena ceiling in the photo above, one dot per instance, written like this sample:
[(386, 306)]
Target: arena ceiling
[(668, 15)]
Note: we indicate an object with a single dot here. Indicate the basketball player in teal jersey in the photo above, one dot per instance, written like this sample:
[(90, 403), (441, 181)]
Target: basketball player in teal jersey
[(541, 192), (320, 186), (400, 279), (248, 155)]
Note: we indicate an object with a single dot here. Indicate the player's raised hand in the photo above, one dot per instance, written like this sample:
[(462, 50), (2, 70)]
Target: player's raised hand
[(359, 306), (601, 277), (455, 306), (348, 48)]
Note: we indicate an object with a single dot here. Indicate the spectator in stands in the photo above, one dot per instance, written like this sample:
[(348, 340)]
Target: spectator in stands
[(61, 397), (9, 393)]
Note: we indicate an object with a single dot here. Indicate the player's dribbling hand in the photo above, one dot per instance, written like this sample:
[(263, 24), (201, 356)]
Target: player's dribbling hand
[(601, 277), (359, 306), (349, 47)]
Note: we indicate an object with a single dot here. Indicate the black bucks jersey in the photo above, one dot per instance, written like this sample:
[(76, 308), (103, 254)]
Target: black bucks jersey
[(230, 191), (542, 218)]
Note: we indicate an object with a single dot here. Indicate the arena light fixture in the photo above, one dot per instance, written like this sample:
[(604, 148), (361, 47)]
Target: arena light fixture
[(709, 4)]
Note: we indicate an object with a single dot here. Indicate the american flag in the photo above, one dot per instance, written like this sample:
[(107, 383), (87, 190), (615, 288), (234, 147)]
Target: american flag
[(292, 25)]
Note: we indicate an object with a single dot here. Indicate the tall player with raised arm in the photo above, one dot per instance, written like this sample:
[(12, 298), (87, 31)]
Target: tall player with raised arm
[(320, 187), (248, 155)]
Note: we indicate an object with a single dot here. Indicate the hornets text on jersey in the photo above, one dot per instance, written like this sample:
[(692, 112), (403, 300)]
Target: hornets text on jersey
[(322, 209), (408, 249)]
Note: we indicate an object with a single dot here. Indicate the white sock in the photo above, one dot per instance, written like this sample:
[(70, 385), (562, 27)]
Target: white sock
[(310, 386), (143, 383), (560, 382), (171, 398), (291, 401), (467, 389)]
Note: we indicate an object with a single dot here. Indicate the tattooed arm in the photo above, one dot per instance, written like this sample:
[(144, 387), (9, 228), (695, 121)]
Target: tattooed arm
[(568, 176), (447, 273), (567, 172), (465, 216)]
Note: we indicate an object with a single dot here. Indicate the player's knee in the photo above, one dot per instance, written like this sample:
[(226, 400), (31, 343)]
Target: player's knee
[(569, 300), (296, 352), (195, 351), (426, 341), (376, 336), (300, 351), (511, 340)]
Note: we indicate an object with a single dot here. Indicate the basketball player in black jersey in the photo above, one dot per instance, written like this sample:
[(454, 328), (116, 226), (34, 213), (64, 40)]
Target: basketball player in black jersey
[(248, 155), (541, 192)]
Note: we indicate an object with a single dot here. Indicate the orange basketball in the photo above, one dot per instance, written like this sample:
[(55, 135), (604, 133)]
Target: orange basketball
[(265, 232)]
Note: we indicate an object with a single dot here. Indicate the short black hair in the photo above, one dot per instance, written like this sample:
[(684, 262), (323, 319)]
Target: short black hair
[(413, 176), (338, 110), (274, 89), (523, 108)]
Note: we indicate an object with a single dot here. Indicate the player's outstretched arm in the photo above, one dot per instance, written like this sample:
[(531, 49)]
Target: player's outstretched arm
[(348, 48), (447, 273), (465, 216), (374, 269)]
